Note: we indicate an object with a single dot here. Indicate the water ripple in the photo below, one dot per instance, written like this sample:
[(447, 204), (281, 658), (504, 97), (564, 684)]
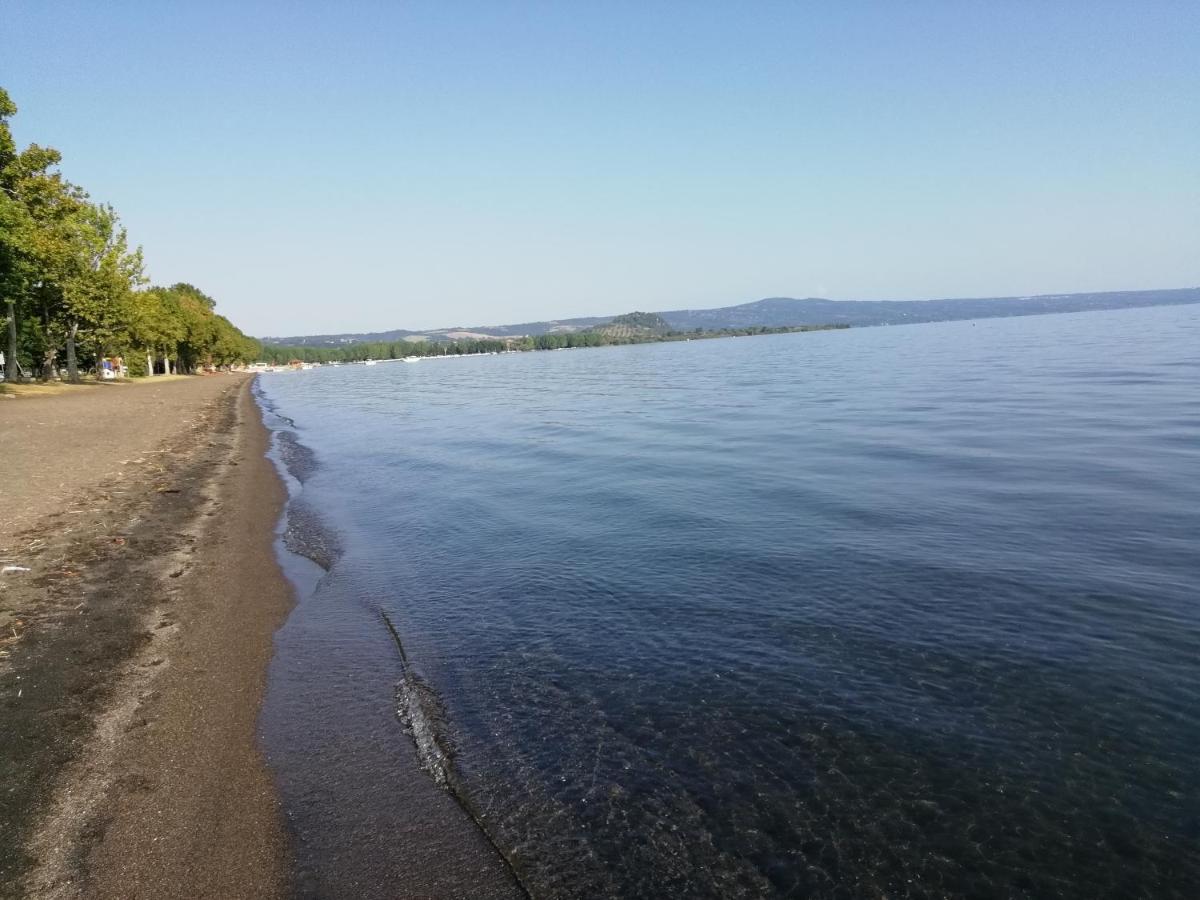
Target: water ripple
[(887, 612)]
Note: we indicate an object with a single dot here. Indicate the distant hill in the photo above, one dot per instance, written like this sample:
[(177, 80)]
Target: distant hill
[(813, 310), (782, 311), (634, 324)]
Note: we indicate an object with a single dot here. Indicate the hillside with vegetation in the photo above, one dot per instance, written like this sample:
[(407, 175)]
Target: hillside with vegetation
[(785, 311), (74, 292), (634, 324), (601, 336)]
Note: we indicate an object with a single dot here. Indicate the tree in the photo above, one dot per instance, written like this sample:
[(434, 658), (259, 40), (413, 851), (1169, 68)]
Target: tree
[(155, 327), (12, 227), (69, 279), (33, 201), (50, 205), (102, 275)]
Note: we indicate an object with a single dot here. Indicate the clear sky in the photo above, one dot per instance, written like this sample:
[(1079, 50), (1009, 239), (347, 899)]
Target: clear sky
[(360, 166)]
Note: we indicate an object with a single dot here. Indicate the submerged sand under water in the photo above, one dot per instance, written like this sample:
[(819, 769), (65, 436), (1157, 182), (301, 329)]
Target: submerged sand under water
[(896, 611)]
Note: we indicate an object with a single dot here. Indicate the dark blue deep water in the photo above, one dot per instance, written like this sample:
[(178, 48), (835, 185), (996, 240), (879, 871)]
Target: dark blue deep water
[(907, 611)]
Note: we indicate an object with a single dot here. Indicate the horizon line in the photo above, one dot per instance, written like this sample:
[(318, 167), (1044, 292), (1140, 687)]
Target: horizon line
[(735, 305)]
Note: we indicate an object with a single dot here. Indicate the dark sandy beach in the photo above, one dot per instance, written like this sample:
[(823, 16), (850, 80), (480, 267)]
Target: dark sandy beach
[(133, 650)]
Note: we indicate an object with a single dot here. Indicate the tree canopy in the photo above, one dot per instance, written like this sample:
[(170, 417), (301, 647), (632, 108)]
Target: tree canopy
[(600, 336), (73, 290)]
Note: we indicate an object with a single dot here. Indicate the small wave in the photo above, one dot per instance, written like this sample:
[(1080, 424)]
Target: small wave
[(307, 535), (267, 405), (300, 460), (420, 711), (305, 532)]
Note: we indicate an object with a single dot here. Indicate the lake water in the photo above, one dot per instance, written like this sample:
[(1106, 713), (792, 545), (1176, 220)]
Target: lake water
[(907, 611)]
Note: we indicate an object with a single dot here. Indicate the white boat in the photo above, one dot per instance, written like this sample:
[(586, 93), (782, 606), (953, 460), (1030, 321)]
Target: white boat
[(412, 359), (369, 362)]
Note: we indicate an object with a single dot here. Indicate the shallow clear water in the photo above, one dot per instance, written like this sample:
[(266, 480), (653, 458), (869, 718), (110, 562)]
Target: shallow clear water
[(907, 611)]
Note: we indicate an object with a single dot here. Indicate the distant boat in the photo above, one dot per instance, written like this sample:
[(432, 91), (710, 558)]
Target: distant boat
[(412, 359), (369, 362)]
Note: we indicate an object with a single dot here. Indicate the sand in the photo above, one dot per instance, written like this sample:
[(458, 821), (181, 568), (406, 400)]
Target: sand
[(133, 651)]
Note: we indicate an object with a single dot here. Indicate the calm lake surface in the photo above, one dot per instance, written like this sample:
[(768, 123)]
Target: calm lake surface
[(907, 611)]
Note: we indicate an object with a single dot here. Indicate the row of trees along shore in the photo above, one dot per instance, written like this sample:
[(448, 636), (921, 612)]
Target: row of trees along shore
[(74, 292), (280, 354)]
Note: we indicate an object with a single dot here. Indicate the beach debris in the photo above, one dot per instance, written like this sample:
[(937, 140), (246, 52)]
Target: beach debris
[(12, 569)]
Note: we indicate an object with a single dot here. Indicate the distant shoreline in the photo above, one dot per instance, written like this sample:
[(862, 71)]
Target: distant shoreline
[(395, 350), (787, 312)]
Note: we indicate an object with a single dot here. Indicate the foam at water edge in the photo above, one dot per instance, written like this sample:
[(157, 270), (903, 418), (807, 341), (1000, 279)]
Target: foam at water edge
[(421, 713)]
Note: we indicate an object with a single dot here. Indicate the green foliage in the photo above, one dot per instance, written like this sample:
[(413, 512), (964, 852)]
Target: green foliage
[(280, 354), (71, 286), (640, 321)]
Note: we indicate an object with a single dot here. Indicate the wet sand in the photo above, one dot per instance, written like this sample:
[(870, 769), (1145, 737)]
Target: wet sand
[(134, 649), (135, 640)]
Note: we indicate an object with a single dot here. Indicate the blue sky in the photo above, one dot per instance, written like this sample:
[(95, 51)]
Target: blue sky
[(361, 166)]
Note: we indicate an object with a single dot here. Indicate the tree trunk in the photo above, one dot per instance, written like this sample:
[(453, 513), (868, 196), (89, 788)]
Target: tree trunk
[(149, 364), (72, 364), (10, 358)]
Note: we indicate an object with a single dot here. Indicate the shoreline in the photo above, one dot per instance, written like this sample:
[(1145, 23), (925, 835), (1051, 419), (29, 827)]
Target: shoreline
[(141, 632), (367, 818)]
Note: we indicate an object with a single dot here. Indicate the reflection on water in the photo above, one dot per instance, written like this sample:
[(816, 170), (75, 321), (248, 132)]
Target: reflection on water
[(886, 612)]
